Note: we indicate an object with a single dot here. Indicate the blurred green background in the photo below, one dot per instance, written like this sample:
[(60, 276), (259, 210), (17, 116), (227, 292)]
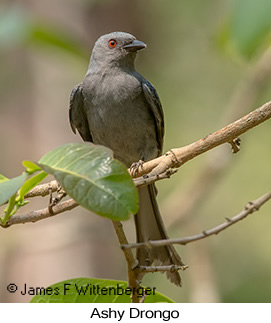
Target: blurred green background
[(210, 62)]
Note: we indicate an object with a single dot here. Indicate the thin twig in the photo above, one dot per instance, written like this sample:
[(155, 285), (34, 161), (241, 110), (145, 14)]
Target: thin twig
[(153, 269), (38, 215), (249, 209), (146, 180), (43, 189)]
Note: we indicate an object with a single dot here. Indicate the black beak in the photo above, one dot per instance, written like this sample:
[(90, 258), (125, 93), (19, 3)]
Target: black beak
[(135, 45)]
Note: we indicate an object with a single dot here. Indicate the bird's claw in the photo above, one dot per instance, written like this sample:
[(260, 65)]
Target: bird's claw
[(134, 168)]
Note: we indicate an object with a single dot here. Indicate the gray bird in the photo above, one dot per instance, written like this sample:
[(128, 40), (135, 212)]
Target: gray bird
[(117, 107)]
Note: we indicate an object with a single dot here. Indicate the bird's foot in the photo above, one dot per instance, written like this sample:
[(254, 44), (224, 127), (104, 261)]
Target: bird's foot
[(134, 168)]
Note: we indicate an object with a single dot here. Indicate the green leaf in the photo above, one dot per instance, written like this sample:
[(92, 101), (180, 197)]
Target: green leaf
[(30, 166), (248, 29), (10, 187), (92, 290), (52, 36), (93, 178), (19, 27), (29, 184), (250, 24), (3, 178)]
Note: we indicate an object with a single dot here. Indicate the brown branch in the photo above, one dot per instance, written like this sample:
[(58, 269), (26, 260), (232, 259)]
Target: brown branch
[(143, 181), (177, 157), (250, 208), (43, 189), (38, 215)]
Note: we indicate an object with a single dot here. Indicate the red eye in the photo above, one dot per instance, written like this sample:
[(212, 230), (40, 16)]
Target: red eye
[(112, 43)]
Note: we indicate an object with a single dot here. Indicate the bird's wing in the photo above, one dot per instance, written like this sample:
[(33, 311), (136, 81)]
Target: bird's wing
[(156, 108), (78, 119)]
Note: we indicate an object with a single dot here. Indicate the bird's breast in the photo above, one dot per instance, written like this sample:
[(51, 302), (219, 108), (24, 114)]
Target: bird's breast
[(120, 118), (116, 89)]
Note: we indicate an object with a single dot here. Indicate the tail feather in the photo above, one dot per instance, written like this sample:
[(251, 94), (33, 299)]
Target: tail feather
[(150, 226)]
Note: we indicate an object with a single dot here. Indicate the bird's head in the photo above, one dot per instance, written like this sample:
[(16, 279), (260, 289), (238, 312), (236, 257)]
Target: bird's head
[(116, 49)]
